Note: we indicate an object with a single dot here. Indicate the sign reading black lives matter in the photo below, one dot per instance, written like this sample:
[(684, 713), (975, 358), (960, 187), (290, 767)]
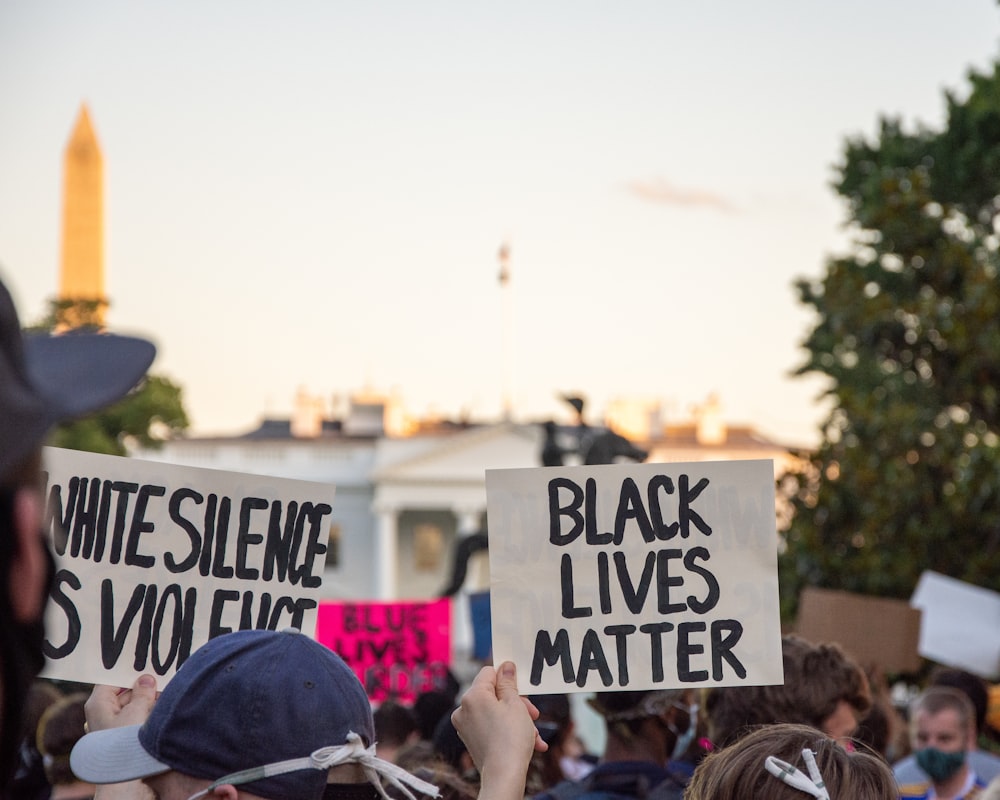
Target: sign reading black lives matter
[(153, 560), (635, 576)]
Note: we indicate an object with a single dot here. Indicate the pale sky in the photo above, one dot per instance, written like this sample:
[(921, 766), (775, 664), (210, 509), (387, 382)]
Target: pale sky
[(312, 194)]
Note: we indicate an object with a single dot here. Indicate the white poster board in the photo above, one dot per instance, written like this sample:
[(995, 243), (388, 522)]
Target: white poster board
[(960, 624), (635, 576), (155, 559)]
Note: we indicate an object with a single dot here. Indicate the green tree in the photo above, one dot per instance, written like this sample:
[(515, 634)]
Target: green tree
[(149, 414), (907, 475)]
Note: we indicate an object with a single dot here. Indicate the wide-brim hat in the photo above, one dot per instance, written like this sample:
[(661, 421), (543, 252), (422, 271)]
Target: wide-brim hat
[(46, 379)]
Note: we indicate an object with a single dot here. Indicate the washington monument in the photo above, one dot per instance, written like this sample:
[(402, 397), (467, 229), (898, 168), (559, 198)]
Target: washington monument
[(81, 277)]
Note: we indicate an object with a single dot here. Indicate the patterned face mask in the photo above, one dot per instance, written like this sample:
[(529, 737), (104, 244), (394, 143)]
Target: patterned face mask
[(938, 764)]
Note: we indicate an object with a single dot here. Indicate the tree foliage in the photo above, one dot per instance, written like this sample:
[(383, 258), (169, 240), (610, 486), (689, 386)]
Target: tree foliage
[(149, 414), (907, 475)]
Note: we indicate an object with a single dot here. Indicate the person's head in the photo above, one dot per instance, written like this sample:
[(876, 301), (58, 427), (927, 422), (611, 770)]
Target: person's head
[(420, 759), (823, 687), (263, 712), (942, 730), (973, 686), (395, 726), (60, 727), (451, 750), (555, 728), (29, 778), (741, 770), (875, 732), (429, 708), (43, 380), (555, 721), (654, 724)]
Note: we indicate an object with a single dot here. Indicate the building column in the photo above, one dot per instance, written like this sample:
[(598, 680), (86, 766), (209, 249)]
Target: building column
[(386, 552)]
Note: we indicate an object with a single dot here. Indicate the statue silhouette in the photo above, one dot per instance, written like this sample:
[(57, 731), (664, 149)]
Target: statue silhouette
[(593, 445)]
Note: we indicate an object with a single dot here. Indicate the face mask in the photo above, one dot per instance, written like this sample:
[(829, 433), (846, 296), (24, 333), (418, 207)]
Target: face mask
[(939, 765), (685, 738)]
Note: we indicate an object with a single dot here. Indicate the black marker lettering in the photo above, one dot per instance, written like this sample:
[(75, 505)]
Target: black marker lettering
[(74, 627), (571, 510)]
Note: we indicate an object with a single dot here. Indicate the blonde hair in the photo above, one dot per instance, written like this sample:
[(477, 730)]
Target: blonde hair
[(737, 772)]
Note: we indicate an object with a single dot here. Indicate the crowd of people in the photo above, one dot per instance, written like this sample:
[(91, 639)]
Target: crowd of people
[(275, 715)]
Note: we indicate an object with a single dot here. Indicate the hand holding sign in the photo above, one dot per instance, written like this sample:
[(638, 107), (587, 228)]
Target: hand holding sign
[(498, 730), (113, 707)]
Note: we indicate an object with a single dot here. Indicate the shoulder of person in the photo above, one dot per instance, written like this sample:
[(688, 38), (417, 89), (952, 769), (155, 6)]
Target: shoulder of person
[(986, 764), (915, 791), (617, 783)]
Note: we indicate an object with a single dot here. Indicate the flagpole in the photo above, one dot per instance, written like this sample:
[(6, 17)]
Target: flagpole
[(506, 325)]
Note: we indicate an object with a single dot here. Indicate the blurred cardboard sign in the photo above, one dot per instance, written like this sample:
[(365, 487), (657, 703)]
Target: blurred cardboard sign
[(398, 650), (961, 624), (875, 630)]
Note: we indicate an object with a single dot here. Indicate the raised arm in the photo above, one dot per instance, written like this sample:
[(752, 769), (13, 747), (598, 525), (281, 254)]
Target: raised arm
[(497, 726)]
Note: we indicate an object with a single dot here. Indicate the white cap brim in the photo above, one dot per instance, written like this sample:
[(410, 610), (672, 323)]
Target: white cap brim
[(113, 756)]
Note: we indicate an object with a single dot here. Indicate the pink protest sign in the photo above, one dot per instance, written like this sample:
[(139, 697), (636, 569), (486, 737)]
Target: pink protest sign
[(398, 650)]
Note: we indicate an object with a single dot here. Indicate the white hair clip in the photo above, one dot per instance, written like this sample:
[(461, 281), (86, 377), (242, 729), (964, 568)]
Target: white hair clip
[(812, 784)]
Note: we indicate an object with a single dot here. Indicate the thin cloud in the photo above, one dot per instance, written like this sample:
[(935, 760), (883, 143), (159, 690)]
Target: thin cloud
[(662, 193)]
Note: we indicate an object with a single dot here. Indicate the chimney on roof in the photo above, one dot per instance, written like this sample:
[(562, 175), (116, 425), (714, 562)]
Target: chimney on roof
[(710, 427), (366, 416), (307, 418)]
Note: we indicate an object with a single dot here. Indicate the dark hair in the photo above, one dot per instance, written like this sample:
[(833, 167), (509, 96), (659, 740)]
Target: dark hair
[(429, 708), (876, 730), (448, 745), (394, 723), (420, 759), (817, 678), (936, 699), (552, 707), (20, 662), (61, 727), (737, 772), (971, 685)]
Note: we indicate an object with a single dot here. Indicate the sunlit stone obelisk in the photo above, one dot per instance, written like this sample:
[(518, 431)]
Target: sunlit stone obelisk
[(81, 276)]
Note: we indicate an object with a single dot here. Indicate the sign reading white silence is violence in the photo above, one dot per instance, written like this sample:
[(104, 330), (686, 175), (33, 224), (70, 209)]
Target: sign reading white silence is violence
[(153, 560), (634, 577)]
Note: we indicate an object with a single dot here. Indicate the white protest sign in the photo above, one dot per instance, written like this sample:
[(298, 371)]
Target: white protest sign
[(959, 624), (155, 559), (635, 576)]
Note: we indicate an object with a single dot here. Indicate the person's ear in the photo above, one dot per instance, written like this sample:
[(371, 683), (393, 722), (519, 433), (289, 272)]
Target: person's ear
[(972, 739), (28, 567), (225, 792)]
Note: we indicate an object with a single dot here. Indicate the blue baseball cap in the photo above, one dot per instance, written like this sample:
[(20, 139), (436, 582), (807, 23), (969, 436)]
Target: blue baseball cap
[(241, 705)]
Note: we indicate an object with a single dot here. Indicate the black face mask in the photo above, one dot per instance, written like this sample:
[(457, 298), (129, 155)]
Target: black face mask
[(21, 643)]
